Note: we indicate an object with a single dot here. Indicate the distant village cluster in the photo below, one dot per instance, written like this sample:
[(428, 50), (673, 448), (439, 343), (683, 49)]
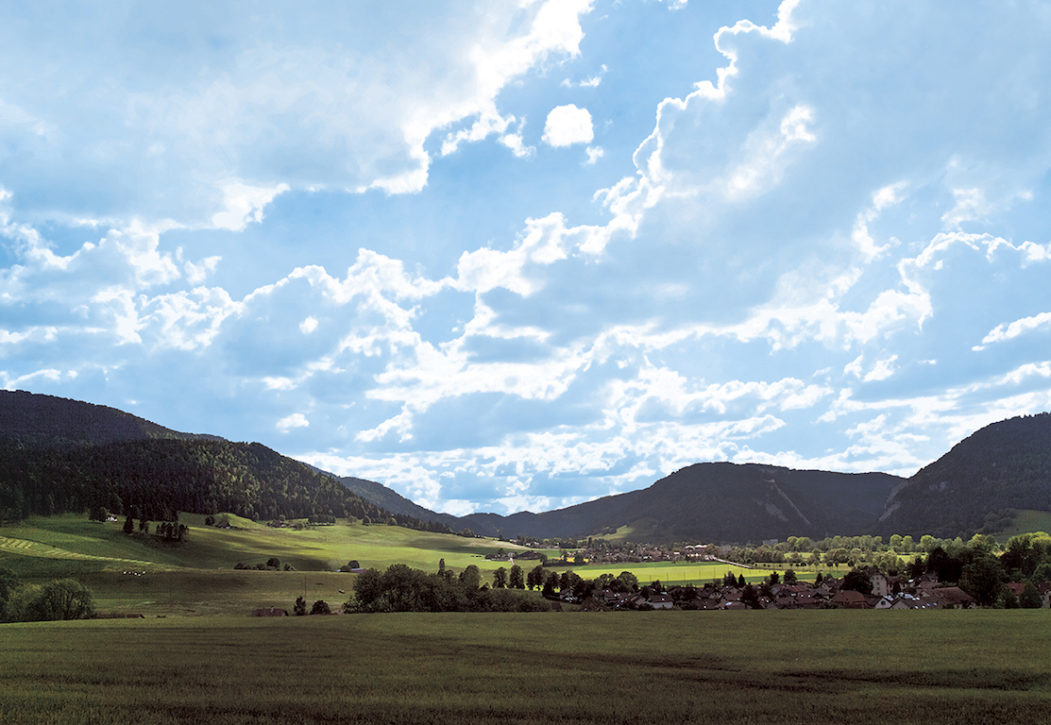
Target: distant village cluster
[(828, 593)]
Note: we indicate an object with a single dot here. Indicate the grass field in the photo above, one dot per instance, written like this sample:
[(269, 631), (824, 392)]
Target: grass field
[(743, 667), (696, 573), (135, 574), (1026, 521)]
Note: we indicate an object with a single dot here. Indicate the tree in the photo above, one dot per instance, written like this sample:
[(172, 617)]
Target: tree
[(353, 564), (858, 581), (550, 584), (535, 578), (129, 525), (500, 578), (982, 543), (61, 599), (750, 597), (516, 580), (300, 608), (627, 582), (320, 607), (789, 577), (1030, 597), (441, 567), (8, 584), (471, 578), (983, 579), (775, 578), (273, 563)]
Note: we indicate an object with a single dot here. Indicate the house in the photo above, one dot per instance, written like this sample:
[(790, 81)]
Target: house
[(880, 584), (661, 601), (953, 598), (850, 599)]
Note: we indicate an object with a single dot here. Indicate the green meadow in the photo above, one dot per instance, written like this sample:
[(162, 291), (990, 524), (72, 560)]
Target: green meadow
[(140, 574), (732, 667)]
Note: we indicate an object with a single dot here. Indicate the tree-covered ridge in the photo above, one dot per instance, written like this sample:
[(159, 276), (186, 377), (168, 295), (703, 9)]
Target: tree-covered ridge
[(1002, 466), (157, 477), (725, 502), (59, 455), (32, 420)]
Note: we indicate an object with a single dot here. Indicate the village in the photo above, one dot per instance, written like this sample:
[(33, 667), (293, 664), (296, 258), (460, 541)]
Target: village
[(885, 592)]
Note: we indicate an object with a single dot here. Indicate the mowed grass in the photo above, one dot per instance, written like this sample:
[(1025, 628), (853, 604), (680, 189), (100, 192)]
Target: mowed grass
[(695, 573), (88, 546), (730, 667), (1026, 521)]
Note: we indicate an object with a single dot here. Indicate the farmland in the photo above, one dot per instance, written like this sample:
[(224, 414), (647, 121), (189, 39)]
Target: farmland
[(143, 575), (761, 667)]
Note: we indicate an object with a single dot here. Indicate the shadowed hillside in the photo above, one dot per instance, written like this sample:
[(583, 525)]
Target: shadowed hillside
[(718, 502), (1005, 465), (60, 455)]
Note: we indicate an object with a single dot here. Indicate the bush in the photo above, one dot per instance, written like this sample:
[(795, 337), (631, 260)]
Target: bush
[(61, 599), (320, 607), (300, 608)]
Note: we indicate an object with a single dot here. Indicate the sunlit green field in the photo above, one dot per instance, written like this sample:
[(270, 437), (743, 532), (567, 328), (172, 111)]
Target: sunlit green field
[(697, 573), (143, 575), (90, 546), (730, 667)]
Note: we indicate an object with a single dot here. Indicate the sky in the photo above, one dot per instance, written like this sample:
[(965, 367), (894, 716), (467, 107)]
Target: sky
[(515, 255)]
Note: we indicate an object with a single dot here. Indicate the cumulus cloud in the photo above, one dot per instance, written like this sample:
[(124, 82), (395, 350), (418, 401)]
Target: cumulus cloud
[(568, 125), (290, 422), (813, 253)]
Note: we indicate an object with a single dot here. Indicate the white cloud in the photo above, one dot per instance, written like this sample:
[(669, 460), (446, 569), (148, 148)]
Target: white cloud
[(568, 125), (244, 204), (308, 325), (291, 422), (1010, 331)]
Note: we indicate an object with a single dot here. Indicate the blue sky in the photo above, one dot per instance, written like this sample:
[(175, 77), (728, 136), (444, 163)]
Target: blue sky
[(516, 255)]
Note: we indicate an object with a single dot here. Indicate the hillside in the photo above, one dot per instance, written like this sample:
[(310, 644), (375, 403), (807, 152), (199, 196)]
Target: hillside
[(1005, 465), (718, 502), (60, 455), (31, 420), (394, 502)]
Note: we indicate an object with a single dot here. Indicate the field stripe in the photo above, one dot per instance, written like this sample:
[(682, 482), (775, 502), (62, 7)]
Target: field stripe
[(25, 547)]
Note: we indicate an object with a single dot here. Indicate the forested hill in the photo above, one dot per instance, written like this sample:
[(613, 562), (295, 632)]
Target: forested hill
[(394, 502), (1006, 465), (29, 419), (717, 502), (72, 456)]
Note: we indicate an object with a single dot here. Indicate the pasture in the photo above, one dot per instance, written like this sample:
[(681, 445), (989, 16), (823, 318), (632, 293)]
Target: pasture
[(140, 574), (88, 546), (732, 667)]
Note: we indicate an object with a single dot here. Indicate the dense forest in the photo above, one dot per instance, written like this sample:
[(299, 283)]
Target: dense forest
[(1005, 465), (59, 455), (154, 478)]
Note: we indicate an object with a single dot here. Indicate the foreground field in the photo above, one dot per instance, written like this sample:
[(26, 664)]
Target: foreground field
[(761, 667)]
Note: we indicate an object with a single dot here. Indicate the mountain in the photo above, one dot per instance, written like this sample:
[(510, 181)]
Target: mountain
[(717, 502), (31, 420), (394, 502), (64, 455), (1006, 465)]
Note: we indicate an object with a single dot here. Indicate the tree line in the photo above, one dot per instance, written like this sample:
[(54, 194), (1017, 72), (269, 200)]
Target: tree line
[(59, 599)]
